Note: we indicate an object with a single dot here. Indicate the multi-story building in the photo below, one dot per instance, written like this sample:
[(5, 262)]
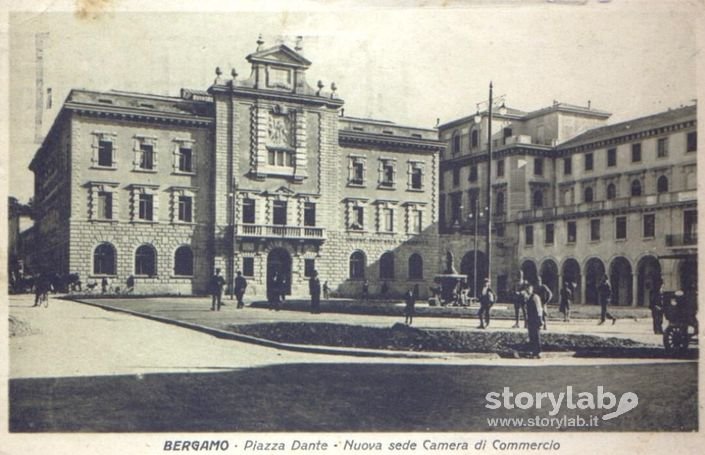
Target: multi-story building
[(573, 199), (263, 175)]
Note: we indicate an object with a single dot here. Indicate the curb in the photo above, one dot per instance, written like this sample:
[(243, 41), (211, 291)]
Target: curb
[(312, 349)]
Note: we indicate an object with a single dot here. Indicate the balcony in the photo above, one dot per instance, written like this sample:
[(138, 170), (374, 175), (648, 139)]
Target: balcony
[(281, 232), (682, 240)]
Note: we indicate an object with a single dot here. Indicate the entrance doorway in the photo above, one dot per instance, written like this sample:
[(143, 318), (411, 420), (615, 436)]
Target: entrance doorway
[(278, 273)]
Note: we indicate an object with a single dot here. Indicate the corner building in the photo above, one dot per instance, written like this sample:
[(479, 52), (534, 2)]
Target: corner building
[(263, 175), (574, 199)]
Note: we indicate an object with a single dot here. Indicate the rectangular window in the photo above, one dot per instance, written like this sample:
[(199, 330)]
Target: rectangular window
[(538, 166), (309, 267), (499, 229), (567, 166), (105, 205), (248, 267), (500, 168), (358, 218), (692, 141), (387, 177), (455, 207), (185, 209), (309, 214), (456, 176), (416, 178), (507, 133), (649, 225), (595, 230), (417, 221), (636, 152), (572, 231), (611, 157), (146, 157), (357, 176), (279, 213), (549, 233), (621, 227), (529, 235), (248, 211), (185, 158), (662, 147), (388, 215), (105, 153), (473, 173), (280, 158), (146, 207), (588, 162)]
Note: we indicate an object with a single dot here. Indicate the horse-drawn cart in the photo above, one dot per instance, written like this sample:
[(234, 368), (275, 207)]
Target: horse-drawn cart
[(680, 310)]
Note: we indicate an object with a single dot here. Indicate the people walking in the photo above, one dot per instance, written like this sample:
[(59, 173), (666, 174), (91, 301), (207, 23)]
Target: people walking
[(410, 297), (240, 287), (656, 305), (104, 283), (534, 319), (604, 296), (314, 289), (566, 296), (326, 291), (487, 299), (42, 285), (546, 296), (519, 301), (216, 285)]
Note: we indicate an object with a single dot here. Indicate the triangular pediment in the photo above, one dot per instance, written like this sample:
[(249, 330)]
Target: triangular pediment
[(283, 190), (279, 55)]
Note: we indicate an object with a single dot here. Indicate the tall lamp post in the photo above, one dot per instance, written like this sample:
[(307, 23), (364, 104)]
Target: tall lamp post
[(478, 118), (475, 216)]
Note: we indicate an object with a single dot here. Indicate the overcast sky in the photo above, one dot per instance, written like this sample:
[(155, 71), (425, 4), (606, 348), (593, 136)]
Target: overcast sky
[(408, 65)]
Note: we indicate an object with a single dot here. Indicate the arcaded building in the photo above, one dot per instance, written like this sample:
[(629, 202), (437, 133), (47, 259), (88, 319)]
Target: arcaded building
[(574, 199), (263, 175)]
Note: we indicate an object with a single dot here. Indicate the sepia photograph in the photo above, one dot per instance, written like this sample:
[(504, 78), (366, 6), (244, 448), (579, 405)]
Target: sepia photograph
[(339, 227)]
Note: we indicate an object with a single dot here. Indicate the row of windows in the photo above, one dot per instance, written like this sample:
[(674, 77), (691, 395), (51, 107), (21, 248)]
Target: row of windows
[(386, 219), (280, 210), (358, 266), (386, 174), (648, 229), (144, 154), (105, 261), (143, 206), (662, 151)]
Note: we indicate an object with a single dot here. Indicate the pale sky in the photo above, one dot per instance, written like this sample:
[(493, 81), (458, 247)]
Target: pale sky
[(407, 64)]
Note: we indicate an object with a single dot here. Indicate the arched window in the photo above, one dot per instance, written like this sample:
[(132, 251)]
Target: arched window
[(611, 191), (358, 263), (636, 188), (386, 266), (662, 184), (456, 143), (500, 203), (183, 261), (104, 259), (538, 199), (415, 267), (145, 261), (587, 194)]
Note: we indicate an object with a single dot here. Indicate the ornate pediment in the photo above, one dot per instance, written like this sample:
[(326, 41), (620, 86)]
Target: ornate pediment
[(279, 55)]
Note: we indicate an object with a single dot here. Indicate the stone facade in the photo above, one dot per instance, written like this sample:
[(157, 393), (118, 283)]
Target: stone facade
[(574, 199), (249, 176)]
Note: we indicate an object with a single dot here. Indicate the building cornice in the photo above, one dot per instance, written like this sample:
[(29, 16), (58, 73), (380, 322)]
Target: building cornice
[(119, 113), (512, 150), (389, 142), (273, 95)]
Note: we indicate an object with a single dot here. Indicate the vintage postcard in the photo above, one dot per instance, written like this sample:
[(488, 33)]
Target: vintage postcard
[(339, 227)]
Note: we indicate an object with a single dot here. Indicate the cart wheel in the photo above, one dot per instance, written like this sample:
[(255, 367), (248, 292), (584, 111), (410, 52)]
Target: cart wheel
[(675, 339)]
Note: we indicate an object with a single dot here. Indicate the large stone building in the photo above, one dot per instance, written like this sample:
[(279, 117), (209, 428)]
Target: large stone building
[(262, 175), (574, 199)]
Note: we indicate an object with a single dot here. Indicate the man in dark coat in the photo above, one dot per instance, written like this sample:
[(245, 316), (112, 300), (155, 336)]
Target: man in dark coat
[(314, 289), (240, 287), (216, 285), (534, 319), (546, 296), (604, 295)]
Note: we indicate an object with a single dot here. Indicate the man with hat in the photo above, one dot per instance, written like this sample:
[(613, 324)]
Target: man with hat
[(217, 282)]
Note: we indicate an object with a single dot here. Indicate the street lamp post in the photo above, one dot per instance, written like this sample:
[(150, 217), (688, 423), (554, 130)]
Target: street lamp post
[(475, 216)]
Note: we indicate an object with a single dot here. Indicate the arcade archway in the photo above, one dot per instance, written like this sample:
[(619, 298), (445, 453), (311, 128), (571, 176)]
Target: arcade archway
[(528, 269), (571, 274), (621, 281), (648, 280), (594, 271), (549, 276)]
